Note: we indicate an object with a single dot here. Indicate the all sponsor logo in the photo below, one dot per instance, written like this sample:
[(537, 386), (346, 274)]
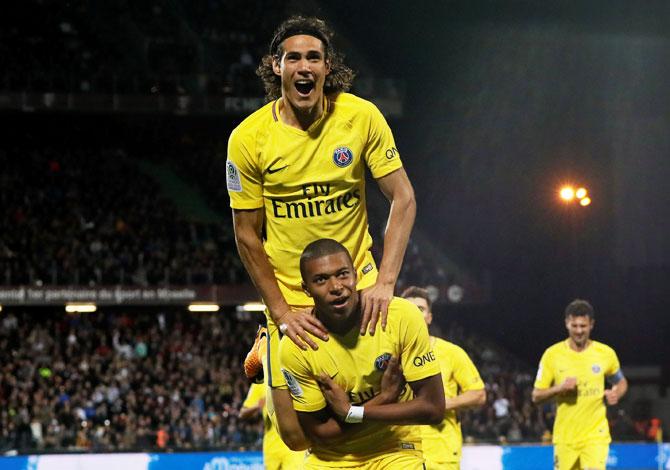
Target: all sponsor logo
[(391, 153), (595, 368), (419, 361), (343, 156)]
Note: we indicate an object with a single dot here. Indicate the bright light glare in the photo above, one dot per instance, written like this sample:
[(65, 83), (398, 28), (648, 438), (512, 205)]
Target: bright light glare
[(251, 307), (567, 193), (203, 308), (80, 308), (581, 193), (585, 201)]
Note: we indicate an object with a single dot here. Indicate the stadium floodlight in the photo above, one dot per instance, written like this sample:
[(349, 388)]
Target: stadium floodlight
[(581, 193), (585, 201), (567, 193), (251, 307), (80, 308), (203, 308)]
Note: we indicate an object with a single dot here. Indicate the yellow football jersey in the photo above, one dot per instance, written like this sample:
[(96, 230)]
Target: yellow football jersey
[(443, 442), (581, 416), (276, 455), (311, 183), (357, 364)]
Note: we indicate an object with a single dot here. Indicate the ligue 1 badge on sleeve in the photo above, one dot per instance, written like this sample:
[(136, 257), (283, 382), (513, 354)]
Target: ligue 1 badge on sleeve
[(343, 156)]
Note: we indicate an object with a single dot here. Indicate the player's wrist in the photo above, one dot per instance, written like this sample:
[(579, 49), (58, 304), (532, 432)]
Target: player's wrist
[(355, 414)]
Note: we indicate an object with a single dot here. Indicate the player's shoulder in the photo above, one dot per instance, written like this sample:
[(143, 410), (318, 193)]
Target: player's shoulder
[(448, 346), (403, 307), (350, 104), (602, 347), (256, 122), (556, 348)]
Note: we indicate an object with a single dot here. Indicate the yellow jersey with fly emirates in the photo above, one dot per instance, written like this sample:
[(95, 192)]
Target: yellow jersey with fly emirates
[(356, 363), (581, 416), (311, 184)]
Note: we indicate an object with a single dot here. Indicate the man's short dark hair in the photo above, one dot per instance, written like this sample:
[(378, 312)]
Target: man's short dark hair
[(579, 308), (420, 292), (319, 249)]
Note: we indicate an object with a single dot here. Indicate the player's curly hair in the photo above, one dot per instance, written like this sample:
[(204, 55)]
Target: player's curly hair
[(338, 80)]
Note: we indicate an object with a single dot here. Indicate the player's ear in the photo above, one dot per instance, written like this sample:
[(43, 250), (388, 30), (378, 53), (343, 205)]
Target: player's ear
[(304, 288), (328, 66), (276, 65)]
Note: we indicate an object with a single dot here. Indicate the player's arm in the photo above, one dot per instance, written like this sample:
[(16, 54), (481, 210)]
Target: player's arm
[(618, 389), (427, 406), (469, 382), (468, 399), (398, 190), (248, 413), (248, 226), (568, 386), (322, 425)]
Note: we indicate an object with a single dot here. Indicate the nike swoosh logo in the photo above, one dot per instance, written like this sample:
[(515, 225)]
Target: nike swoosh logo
[(271, 170)]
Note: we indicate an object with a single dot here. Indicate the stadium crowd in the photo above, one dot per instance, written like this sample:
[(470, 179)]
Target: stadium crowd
[(80, 214), (155, 47), (157, 380), (121, 381)]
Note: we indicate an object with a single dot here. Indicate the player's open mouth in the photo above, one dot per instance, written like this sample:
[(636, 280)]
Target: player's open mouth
[(304, 87), (340, 302)]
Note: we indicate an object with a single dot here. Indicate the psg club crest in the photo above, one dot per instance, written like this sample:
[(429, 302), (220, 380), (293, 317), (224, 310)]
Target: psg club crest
[(382, 361), (595, 368), (343, 156)]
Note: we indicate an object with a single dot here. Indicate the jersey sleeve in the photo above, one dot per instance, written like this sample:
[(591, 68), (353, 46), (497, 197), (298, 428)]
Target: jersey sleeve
[(243, 177), (381, 154), (417, 357), (613, 365), (254, 396), (296, 369), (466, 374), (545, 373)]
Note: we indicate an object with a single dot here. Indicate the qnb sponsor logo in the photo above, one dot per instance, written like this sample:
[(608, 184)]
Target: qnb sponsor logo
[(424, 358), (315, 207), (225, 463)]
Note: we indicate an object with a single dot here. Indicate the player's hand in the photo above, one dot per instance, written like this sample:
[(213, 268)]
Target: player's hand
[(374, 303), (296, 324), (569, 385), (611, 397), (393, 381), (335, 396)]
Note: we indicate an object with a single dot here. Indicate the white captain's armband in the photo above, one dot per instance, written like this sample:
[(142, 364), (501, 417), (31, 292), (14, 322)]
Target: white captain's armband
[(616, 377)]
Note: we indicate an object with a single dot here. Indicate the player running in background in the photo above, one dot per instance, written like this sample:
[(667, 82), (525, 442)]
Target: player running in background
[(463, 388), (276, 456), (296, 173), (336, 388), (574, 373)]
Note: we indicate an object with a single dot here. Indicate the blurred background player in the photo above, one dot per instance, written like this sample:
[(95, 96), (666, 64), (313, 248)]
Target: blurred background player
[(336, 389), (574, 373), (296, 173), (463, 388), (276, 455)]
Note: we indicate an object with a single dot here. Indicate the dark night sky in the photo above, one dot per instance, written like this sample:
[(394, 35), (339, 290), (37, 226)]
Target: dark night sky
[(506, 100)]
